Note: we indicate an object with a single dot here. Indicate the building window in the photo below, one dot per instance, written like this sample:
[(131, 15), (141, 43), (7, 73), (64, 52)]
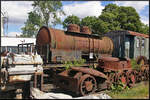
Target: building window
[(138, 43), (142, 43)]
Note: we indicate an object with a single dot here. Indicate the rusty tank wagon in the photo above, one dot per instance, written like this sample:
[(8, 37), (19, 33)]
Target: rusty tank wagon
[(56, 46)]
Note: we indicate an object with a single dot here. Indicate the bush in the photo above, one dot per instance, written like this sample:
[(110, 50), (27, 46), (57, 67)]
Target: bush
[(68, 64), (134, 64), (119, 87)]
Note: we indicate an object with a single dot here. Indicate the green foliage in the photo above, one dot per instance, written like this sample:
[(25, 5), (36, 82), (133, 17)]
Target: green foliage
[(119, 87), (113, 17), (31, 25), (49, 11), (144, 29), (134, 64), (111, 8), (140, 91), (89, 21), (44, 13), (71, 20), (75, 63), (79, 62), (122, 18), (68, 64), (91, 66)]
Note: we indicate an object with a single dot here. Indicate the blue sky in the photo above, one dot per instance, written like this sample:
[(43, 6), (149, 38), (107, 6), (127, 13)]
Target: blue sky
[(17, 11)]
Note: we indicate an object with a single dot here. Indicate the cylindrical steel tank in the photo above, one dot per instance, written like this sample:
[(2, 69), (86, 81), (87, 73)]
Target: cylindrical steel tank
[(58, 39)]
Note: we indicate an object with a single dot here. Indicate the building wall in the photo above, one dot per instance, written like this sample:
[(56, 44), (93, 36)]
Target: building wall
[(11, 43), (147, 48), (141, 47), (129, 46)]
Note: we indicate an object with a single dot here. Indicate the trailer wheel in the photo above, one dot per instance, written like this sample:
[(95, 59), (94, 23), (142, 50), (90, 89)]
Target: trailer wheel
[(111, 80), (87, 84), (122, 77), (131, 79)]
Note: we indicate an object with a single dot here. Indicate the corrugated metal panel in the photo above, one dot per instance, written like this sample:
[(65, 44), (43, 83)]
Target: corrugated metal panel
[(138, 34), (118, 38)]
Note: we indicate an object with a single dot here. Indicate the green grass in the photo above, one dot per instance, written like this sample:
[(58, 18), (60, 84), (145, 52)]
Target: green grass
[(134, 64), (140, 91)]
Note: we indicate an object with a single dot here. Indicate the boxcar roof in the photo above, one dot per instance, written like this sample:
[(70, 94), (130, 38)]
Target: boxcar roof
[(126, 32), (138, 34)]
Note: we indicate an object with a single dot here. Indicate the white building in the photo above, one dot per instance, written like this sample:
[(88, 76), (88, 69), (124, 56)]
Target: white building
[(11, 43)]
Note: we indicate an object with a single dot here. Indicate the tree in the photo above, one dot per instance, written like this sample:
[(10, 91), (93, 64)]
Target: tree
[(44, 13), (97, 26), (144, 29), (49, 11), (89, 21), (100, 27), (31, 25), (111, 8), (111, 20), (71, 20), (113, 17), (122, 18)]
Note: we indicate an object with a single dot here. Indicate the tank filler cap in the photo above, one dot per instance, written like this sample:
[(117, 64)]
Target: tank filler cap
[(85, 29), (73, 28)]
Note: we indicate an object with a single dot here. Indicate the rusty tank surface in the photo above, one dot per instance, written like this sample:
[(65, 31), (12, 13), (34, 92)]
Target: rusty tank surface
[(55, 45)]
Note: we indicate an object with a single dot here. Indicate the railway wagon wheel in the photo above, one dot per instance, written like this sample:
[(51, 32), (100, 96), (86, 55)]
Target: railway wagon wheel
[(131, 79), (147, 74), (122, 77), (111, 80), (136, 76), (115, 78), (144, 75), (139, 76), (88, 84)]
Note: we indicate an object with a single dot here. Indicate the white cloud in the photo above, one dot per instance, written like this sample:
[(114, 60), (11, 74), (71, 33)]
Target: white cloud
[(138, 5), (145, 20), (13, 34), (89, 8), (17, 10)]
